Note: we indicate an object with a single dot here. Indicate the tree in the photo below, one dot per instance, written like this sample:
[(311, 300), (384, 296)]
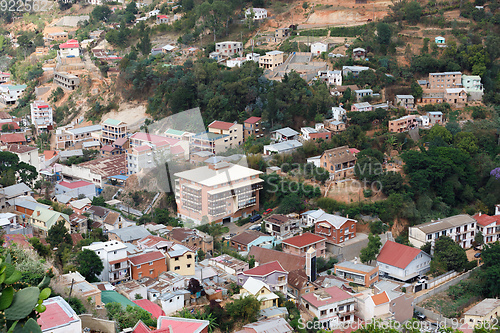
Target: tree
[(290, 203), (321, 175), (201, 255), (42, 250), (371, 251), (89, 265), (449, 254), (467, 142), (129, 316), (384, 33), (427, 247), (490, 270), (479, 238), (100, 14), (194, 286), (58, 235), (438, 132), (246, 309), (413, 11), (416, 90)]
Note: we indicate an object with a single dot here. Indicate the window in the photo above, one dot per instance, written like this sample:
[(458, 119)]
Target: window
[(140, 275), (176, 268), (138, 266), (189, 256), (150, 263), (188, 265), (176, 258)]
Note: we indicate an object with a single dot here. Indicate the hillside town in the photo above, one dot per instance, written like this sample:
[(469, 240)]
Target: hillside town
[(250, 166)]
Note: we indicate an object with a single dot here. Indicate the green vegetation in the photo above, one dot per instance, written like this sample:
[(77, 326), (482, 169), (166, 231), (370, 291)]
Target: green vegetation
[(129, 316), (12, 171), (371, 251)]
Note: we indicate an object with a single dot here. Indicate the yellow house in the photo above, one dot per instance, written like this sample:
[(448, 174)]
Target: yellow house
[(43, 219), (485, 311), (261, 291), (180, 260)]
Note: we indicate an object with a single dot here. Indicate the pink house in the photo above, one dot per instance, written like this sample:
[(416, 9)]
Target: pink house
[(361, 107), (299, 245)]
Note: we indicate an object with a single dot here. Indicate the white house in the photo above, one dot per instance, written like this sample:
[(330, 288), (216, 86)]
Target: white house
[(172, 302), (354, 70), (402, 262), (114, 259), (229, 48), (284, 134), (334, 78), (59, 317), (235, 62), (461, 228), (70, 49), (253, 57), (27, 154), (318, 48), (154, 12), (332, 306), (258, 13), (9, 94), (424, 120), (338, 113)]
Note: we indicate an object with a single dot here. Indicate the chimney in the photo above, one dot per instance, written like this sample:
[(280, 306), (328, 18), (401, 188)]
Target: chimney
[(170, 329), (311, 264), (38, 213), (347, 216), (479, 213)]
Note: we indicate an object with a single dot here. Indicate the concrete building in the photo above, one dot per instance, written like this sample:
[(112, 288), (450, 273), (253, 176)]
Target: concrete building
[(66, 80), (41, 116), (282, 147), (358, 53), (334, 78), (406, 101), (146, 157), (435, 117), (485, 312), (358, 273), (70, 49), (457, 96), (354, 70), (445, 80), (489, 226), (233, 132), (271, 60), (281, 226), (211, 142), (172, 302), (402, 262), (59, 317), (461, 228), (440, 41), (362, 93), (284, 134), (247, 239), (361, 107), (339, 162), (473, 86), (309, 133), (261, 290), (338, 113), (332, 306), (228, 264), (113, 130), (180, 260), (299, 245), (229, 48), (403, 124), (114, 259), (75, 189), (252, 126), (258, 13), (69, 136), (9, 94), (218, 193), (81, 287), (26, 154), (191, 238), (236, 62), (319, 47)]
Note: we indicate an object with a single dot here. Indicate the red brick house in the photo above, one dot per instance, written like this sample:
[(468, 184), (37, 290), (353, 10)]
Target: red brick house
[(149, 264), (336, 229)]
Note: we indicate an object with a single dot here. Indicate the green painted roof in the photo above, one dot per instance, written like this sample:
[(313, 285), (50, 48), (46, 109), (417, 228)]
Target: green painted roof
[(110, 296), (48, 216), (174, 132), (112, 122), (18, 87)]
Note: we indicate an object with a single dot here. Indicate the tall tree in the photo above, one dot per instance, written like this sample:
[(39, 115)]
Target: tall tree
[(371, 251), (89, 265)]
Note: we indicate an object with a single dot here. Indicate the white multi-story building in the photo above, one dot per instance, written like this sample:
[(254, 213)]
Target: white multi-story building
[(229, 48), (489, 226), (332, 306), (9, 94), (338, 113), (70, 49), (334, 78), (473, 86), (147, 156), (258, 13), (41, 116), (461, 228), (114, 259), (253, 57)]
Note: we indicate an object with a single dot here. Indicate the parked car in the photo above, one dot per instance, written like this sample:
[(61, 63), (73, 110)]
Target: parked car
[(255, 218), (419, 316), (255, 227), (268, 211), (477, 255)]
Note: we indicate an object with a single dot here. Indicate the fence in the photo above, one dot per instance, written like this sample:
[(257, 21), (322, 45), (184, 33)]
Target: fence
[(444, 286)]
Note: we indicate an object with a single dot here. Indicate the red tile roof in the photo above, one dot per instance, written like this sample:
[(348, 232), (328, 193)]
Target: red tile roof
[(76, 238), (397, 255), (486, 220), (155, 310), (73, 185), (50, 154), (13, 138), (332, 295), (304, 240), (146, 257), (266, 269), (151, 241), (20, 149), (220, 125), (289, 262), (140, 327), (120, 141), (252, 120), (70, 44), (108, 148), (112, 262), (53, 316), (182, 325), (19, 239), (380, 298)]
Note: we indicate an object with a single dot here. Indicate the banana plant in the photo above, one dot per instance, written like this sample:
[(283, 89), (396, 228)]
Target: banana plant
[(19, 308)]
